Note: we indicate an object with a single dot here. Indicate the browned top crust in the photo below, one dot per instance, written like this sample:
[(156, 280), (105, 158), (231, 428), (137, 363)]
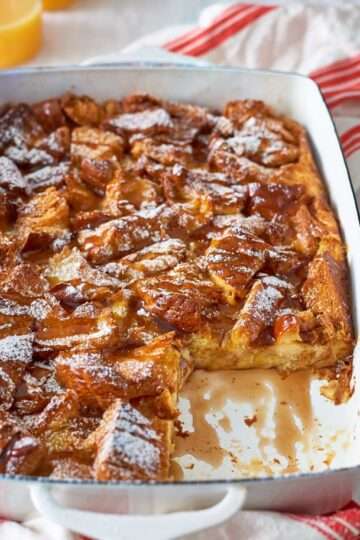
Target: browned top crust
[(140, 238)]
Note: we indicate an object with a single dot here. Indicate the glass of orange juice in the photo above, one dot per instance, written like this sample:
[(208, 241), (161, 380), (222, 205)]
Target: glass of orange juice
[(20, 31), (56, 4)]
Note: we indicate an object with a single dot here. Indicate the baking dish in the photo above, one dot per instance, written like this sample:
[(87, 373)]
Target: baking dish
[(323, 490)]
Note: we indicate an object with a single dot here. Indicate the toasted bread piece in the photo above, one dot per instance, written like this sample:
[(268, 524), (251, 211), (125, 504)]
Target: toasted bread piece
[(94, 143), (121, 236), (326, 295), (82, 110), (233, 259), (66, 469), (44, 220), (20, 451), (131, 446), (183, 298), (99, 378)]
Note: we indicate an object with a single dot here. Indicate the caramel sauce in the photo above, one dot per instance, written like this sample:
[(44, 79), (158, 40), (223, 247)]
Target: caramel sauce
[(225, 424), (203, 443), (176, 472), (293, 401), (250, 421), (208, 393)]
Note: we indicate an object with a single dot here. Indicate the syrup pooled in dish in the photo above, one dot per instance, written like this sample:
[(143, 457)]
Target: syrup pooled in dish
[(141, 239)]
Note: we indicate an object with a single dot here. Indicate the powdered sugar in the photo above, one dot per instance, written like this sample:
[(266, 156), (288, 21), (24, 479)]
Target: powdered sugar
[(130, 441), (11, 308), (143, 121), (39, 309), (262, 302), (10, 176), (274, 281), (72, 266), (47, 176), (16, 348)]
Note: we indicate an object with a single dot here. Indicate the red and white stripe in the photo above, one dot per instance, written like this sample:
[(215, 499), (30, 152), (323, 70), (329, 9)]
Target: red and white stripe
[(344, 525), (176, 44), (315, 523), (340, 81), (347, 526), (230, 21), (350, 140)]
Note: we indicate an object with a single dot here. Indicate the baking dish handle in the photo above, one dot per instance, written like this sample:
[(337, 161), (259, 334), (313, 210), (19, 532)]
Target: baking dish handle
[(134, 527)]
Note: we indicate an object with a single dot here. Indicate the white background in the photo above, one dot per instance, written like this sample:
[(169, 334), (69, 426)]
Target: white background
[(97, 27)]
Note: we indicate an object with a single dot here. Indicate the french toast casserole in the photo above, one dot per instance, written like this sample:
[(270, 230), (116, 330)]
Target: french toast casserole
[(142, 239)]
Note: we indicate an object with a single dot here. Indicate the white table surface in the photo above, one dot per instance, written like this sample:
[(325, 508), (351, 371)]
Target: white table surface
[(97, 27)]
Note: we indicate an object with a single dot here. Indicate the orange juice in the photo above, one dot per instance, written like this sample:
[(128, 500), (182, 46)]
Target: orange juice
[(56, 4), (20, 31)]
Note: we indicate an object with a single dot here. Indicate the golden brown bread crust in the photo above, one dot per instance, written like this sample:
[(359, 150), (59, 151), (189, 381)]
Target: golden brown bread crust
[(131, 446), (142, 238)]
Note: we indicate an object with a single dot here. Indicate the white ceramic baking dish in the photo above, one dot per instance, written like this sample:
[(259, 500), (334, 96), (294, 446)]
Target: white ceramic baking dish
[(170, 510)]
